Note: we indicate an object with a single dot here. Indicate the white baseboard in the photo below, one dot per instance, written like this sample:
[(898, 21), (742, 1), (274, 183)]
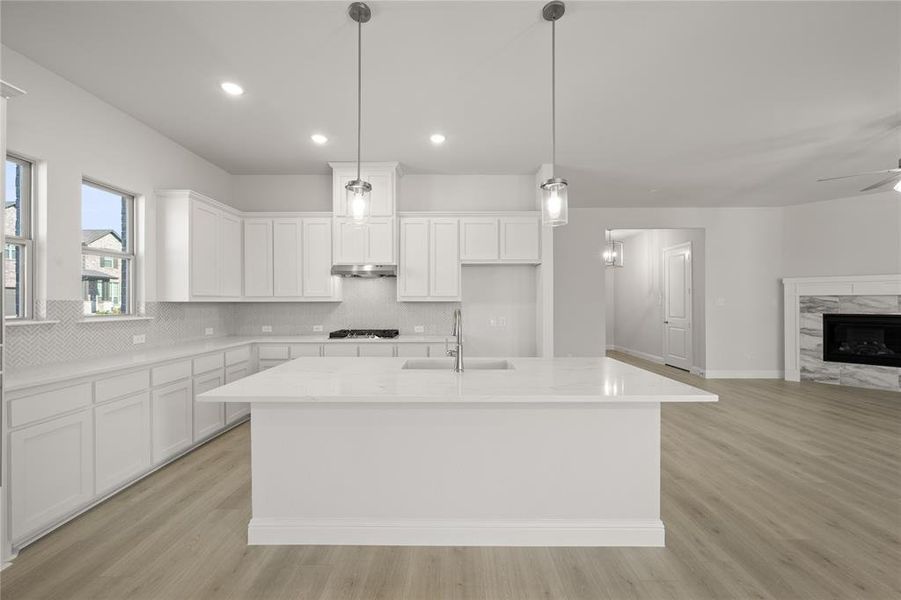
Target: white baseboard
[(637, 354), (734, 374), (342, 532)]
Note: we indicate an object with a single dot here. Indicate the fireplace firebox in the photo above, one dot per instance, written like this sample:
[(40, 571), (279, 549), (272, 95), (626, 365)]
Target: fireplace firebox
[(862, 339)]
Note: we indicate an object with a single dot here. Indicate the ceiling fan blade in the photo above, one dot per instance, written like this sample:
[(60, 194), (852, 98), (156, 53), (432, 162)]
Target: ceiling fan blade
[(879, 184), (898, 170)]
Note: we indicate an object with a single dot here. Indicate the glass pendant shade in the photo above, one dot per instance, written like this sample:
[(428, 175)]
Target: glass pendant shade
[(613, 254), (898, 186), (358, 194), (554, 204)]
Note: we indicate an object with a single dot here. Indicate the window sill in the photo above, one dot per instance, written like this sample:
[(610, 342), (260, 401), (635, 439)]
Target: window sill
[(29, 322), (113, 319)]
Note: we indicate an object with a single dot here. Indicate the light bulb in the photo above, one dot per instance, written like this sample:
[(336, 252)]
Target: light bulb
[(554, 205), (358, 207)]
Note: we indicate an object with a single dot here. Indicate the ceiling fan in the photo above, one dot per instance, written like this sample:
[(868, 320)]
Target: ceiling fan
[(894, 179)]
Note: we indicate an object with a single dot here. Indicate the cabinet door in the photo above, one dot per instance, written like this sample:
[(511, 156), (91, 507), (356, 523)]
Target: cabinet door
[(236, 410), (122, 433), (444, 260), (204, 250), (478, 238), (299, 350), (317, 258), (258, 257), (339, 194), (287, 257), (209, 417), (377, 349), (349, 243), (382, 196), (413, 267), (520, 239), (51, 472), (339, 349), (379, 242), (172, 418), (412, 350), (230, 253)]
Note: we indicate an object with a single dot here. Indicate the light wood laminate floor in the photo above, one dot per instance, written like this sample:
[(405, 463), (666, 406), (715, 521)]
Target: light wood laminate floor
[(782, 490)]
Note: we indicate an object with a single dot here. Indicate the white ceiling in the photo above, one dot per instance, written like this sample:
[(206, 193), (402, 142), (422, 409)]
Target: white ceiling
[(690, 104)]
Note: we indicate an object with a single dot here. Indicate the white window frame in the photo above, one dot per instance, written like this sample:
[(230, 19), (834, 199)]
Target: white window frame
[(127, 256), (25, 239)]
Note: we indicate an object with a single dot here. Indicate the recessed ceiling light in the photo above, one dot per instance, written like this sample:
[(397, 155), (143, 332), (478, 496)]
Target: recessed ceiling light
[(318, 138), (232, 89), (437, 138)]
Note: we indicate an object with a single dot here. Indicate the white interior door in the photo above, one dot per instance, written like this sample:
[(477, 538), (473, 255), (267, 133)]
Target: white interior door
[(677, 306)]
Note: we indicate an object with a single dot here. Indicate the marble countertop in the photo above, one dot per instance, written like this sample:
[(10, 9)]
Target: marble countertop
[(383, 380), (16, 379)]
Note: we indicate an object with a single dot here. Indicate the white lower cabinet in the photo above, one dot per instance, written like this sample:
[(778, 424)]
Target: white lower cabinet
[(209, 417), (412, 350), (52, 472), (376, 350), (236, 410), (339, 349), (122, 434), (172, 409)]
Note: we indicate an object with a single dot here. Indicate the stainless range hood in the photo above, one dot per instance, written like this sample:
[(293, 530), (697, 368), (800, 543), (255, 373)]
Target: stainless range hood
[(365, 271)]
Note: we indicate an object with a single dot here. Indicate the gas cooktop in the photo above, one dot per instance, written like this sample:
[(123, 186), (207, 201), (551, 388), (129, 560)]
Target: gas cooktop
[(364, 333)]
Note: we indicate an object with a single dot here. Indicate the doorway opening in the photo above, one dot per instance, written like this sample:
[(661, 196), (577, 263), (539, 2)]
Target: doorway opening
[(655, 298)]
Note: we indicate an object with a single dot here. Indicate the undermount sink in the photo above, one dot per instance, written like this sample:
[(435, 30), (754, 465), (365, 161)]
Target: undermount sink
[(447, 364)]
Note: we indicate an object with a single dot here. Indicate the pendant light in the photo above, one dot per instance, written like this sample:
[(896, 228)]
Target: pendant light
[(613, 251), (554, 206), (357, 191)]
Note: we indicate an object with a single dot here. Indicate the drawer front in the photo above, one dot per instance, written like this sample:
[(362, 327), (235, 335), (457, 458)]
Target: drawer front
[(49, 404), (339, 350), (413, 350), (268, 364), (171, 372), (236, 372), (376, 349), (273, 352), (208, 363), (298, 350), (121, 385), (238, 355), (438, 350)]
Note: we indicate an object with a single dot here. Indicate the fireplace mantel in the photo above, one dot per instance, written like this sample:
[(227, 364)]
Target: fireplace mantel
[(795, 287)]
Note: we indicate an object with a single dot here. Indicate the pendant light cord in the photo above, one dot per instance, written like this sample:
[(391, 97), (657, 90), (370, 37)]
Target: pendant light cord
[(359, 91), (553, 97)]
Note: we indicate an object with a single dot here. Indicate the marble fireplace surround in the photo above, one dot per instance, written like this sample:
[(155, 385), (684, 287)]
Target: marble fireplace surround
[(807, 298)]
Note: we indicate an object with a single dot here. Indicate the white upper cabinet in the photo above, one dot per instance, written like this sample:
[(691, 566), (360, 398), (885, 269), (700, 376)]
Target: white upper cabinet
[(318, 281), (257, 258), (199, 248), (287, 236), (500, 239), (374, 242), (289, 259), (382, 177), (429, 266)]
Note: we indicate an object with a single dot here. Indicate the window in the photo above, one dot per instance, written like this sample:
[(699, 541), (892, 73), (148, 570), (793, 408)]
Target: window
[(17, 228), (107, 250)]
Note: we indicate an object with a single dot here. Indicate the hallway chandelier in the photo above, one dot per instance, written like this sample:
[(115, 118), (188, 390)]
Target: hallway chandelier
[(554, 203), (357, 191)]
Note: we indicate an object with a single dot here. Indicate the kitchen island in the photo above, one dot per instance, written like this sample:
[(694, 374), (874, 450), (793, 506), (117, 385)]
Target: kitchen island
[(511, 452)]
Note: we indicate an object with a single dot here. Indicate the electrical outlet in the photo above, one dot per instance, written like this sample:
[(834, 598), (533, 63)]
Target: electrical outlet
[(317, 328), (139, 339), (208, 331), (418, 329), (267, 328)]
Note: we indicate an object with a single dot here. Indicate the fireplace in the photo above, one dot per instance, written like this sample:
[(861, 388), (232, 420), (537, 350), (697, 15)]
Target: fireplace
[(862, 339)]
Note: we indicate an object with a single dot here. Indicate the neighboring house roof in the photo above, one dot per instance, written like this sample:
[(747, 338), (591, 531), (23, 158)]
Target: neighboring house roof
[(92, 275), (89, 236)]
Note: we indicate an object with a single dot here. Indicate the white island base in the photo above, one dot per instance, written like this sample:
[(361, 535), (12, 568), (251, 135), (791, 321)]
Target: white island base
[(559, 452)]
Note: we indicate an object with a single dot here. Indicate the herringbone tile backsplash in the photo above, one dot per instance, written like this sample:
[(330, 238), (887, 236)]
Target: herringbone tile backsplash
[(367, 304)]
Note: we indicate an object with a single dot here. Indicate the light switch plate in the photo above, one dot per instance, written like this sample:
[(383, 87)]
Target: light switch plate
[(139, 339), (418, 329), (208, 331), (317, 327), (267, 328)]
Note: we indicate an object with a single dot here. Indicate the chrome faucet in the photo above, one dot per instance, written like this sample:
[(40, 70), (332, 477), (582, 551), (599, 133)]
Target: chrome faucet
[(457, 351)]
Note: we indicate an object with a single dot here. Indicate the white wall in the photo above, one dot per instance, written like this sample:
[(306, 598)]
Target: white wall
[(78, 135), (849, 236), (743, 292), (282, 192), (466, 192), (499, 310), (638, 293)]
